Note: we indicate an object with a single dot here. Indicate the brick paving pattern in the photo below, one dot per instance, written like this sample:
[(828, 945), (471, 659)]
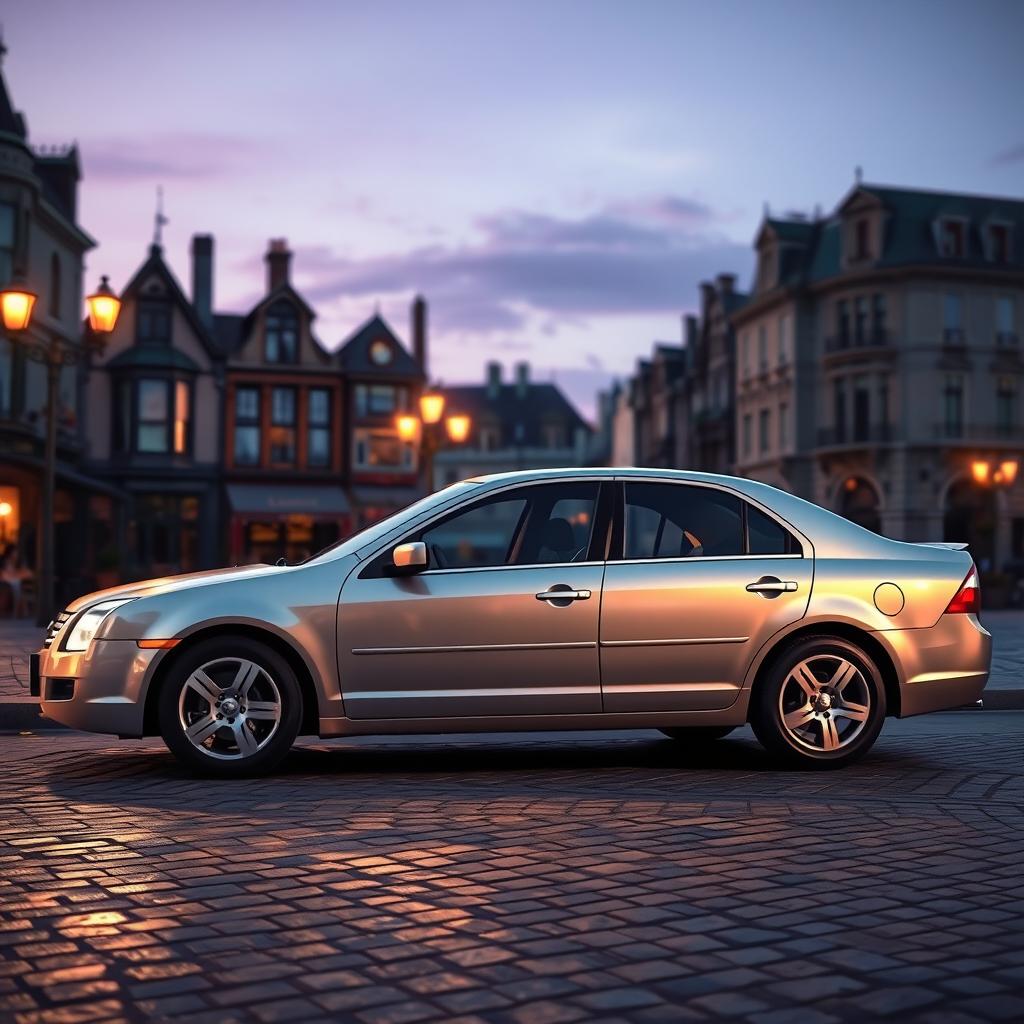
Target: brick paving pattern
[(522, 880)]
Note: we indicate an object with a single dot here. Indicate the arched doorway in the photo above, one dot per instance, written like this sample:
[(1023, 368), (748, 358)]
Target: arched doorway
[(859, 502), (969, 516)]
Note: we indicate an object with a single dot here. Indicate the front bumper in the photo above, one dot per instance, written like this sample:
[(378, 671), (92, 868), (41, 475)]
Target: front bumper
[(941, 667), (108, 684)]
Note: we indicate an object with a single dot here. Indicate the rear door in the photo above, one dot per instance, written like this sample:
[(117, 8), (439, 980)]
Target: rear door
[(698, 580)]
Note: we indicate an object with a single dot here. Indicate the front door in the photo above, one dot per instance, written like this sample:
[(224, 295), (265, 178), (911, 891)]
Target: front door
[(503, 622), (702, 580)]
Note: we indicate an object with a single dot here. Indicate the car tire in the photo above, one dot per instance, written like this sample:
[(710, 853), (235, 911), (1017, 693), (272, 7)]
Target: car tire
[(821, 703), (700, 733), (230, 706)]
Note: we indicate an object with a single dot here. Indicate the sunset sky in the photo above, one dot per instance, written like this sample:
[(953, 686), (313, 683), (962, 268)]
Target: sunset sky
[(555, 177)]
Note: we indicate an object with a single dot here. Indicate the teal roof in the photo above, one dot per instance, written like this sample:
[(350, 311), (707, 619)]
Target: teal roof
[(153, 357)]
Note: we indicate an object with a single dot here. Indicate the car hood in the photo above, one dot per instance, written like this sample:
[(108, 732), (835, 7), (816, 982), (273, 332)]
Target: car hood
[(169, 584)]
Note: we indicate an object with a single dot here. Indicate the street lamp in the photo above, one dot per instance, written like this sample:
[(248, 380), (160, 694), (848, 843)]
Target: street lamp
[(425, 430), (16, 305), (6, 508), (987, 473)]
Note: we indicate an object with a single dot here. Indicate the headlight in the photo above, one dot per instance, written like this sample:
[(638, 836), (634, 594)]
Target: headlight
[(85, 626)]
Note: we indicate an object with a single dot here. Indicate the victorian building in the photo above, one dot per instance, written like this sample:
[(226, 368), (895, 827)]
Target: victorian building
[(880, 366), (43, 246)]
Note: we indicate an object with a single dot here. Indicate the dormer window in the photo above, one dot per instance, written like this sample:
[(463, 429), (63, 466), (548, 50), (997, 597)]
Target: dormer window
[(953, 237), (862, 239), (153, 322), (998, 237), (282, 334)]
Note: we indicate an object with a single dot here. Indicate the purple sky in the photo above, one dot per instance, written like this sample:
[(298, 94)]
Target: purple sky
[(555, 177)]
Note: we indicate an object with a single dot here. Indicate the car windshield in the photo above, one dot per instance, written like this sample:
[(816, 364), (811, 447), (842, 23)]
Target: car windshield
[(367, 534)]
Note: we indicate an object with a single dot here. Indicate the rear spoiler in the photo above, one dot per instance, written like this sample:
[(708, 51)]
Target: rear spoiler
[(948, 545)]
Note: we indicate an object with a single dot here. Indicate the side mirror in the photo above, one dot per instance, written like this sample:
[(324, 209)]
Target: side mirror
[(410, 558)]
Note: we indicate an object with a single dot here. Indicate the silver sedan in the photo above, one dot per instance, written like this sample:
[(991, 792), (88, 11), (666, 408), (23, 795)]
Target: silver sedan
[(555, 599)]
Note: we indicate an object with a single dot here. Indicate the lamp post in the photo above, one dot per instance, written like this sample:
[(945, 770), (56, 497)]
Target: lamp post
[(16, 305), (426, 430)]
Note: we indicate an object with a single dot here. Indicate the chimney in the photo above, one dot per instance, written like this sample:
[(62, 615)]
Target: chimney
[(278, 263), (707, 295), (493, 381), (522, 380), (202, 278), (419, 332), (726, 283)]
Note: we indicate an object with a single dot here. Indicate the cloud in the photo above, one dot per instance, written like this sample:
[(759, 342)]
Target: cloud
[(1013, 155), (644, 256), (168, 157)]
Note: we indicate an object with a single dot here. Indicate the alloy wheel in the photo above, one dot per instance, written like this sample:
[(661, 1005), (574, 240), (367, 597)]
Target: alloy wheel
[(229, 708), (824, 703)]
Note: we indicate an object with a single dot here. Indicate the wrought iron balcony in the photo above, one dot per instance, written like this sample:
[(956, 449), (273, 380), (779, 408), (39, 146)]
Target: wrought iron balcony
[(874, 338), (835, 437)]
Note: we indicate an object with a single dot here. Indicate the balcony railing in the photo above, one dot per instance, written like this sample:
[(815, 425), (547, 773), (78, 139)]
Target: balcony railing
[(954, 337), (877, 433), (989, 433), (876, 337)]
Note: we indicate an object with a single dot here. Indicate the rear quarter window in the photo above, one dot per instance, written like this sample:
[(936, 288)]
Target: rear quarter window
[(767, 537)]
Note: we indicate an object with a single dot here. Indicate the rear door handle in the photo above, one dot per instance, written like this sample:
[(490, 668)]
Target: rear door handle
[(563, 595), (771, 585)]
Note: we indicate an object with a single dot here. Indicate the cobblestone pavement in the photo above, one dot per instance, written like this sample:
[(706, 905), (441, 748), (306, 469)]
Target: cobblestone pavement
[(612, 877), (18, 637)]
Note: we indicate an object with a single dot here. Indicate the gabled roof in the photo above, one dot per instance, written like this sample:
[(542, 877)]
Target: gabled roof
[(509, 408), (354, 354), (11, 121), (155, 265)]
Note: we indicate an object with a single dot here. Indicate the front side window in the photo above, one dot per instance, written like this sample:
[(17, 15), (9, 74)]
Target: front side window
[(153, 322), (151, 433), (318, 448), (282, 334), (282, 426), (544, 524), (678, 521), (247, 426)]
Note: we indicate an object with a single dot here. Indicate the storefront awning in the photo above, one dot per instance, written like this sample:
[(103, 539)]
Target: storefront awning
[(296, 499)]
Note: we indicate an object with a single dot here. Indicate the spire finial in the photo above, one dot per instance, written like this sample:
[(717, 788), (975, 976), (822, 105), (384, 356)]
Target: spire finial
[(159, 220), (858, 174), (3, 45)]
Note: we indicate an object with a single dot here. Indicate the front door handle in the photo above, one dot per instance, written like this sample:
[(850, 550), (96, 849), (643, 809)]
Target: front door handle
[(771, 585), (563, 594)]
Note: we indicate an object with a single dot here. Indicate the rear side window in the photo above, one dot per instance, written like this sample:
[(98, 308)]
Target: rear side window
[(767, 537), (679, 521)]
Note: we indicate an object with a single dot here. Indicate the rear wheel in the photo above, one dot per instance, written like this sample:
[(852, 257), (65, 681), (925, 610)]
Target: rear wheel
[(700, 733), (822, 703), (231, 706)]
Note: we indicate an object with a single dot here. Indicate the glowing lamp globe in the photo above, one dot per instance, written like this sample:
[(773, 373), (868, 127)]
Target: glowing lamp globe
[(431, 407), (104, 307), (16, 306)]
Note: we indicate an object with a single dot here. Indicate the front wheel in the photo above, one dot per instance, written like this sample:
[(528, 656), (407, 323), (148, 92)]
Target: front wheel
[(230, 706), (822, 703)]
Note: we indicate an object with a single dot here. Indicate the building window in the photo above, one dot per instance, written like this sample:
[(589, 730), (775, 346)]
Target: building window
[(378, 449), (1005, 316), (379, 399), (762, 348), (999, 243), (843, 322), (282, 334), (554, 435), (953, 237), (151, 433), (153, 322), (784, 338), (747, 428), (878, 317), (861, 409), (182, 412), (839, 409), (745, 354), (783, 426), (883, 405), (1006, 406), (55, 286), (319, 441), (953, 406), (763, 429), (8, 236), (282, 426), (953, 332), (488, 438), (860, 319), (247, 426), (862, 239)]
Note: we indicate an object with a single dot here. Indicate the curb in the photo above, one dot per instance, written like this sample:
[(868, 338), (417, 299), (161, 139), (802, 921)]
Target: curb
[(24, 716)]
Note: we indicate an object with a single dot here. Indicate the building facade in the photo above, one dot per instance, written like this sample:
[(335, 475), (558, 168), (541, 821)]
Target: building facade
[(43, 246), (516, 424), (880, 366)]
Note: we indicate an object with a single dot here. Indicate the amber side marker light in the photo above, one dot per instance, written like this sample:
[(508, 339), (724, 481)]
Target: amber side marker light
[(157, 645), (968, 597)]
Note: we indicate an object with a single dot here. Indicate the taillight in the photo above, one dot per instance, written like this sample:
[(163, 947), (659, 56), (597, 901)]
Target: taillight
[(968, 597)]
